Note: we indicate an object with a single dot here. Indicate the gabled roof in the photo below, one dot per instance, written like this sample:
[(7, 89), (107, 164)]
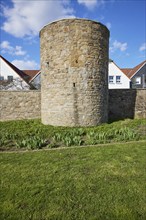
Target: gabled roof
[(131, 72), (126, 70), (39, 72), (31, 73), (24, 76), (111, 61)]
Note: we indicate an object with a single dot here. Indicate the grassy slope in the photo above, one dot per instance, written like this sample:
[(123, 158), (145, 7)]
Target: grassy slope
[(31, 133), (75, 184)]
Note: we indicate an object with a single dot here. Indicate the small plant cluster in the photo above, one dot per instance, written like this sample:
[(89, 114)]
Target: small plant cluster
[(122, 134), (31, 143), (31, 134), (74, 137), (7, 138)]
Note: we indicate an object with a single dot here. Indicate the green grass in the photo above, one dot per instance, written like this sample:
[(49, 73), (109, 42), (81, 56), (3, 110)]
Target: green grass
[(31, 134), (86, 183)]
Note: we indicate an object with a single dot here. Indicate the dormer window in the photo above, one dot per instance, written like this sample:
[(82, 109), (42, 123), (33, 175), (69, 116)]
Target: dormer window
[(10, 78)]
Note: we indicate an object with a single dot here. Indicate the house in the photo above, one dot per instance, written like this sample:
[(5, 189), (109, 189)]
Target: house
[(137, 75), (12, 78), (35, 77), (117, 79)]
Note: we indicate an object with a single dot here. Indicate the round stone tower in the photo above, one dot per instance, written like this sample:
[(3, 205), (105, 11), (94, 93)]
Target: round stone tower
[(74, 73)]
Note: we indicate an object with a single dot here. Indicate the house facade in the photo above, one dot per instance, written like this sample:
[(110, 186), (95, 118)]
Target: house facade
[(36, 80), (117, 79), (137, 75), (11, 78)]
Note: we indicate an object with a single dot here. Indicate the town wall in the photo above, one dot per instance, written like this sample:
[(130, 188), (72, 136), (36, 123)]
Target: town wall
[(127, 103), (123, 103), (16, 105)]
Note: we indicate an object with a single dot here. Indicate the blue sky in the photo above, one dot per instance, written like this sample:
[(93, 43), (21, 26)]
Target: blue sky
[(21, 21)]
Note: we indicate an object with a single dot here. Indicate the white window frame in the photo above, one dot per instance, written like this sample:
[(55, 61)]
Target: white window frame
[(138, 80), (111, 80), (118, 79)]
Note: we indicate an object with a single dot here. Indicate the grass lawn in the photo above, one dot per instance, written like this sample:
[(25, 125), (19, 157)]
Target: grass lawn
[(80, 183)]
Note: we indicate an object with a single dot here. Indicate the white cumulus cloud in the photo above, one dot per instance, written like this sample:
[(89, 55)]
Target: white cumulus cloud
[(6, 47), (26, 64), (91, 4), (26, 18), (142, 47), (118, 46)]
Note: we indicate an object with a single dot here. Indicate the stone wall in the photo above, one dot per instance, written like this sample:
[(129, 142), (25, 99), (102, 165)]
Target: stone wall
[(123, 103), (74, 73), (16, 105), (127, 103)]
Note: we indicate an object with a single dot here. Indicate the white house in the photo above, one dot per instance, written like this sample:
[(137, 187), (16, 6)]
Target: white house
[(117, 78), (11, 78), (137, 75)]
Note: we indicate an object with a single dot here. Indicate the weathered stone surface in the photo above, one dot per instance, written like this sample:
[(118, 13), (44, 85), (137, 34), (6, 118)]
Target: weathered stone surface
[(123, 103), (16, 105), (74, 68), (127, 103)]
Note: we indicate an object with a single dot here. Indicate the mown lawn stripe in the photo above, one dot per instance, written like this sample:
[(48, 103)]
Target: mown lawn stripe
[(75, 183)]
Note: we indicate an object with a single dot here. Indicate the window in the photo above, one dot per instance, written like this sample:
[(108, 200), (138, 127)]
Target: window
[(138, 80), (10, 78), (118, 79), (111, 79), (1, 78)]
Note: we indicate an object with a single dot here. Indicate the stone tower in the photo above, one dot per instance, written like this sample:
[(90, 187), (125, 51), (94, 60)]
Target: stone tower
[(74, 73)]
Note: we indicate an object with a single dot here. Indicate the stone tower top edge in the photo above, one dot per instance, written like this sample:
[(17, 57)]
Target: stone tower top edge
[(74, 19)]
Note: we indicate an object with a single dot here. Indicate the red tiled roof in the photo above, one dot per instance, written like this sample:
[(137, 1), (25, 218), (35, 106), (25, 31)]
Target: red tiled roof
[(31, 73), (135, 69), (126, 70)]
